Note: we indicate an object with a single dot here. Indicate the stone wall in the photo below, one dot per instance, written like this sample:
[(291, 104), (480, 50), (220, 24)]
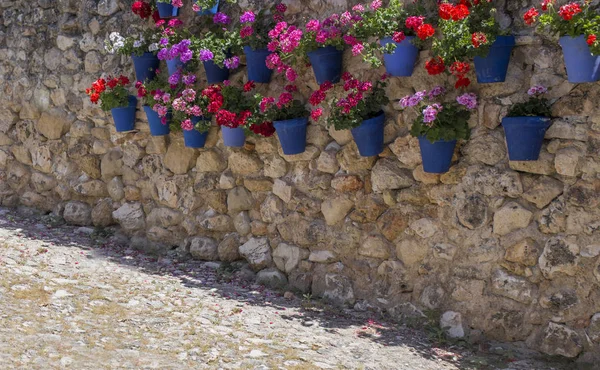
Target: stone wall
[(505, 248)]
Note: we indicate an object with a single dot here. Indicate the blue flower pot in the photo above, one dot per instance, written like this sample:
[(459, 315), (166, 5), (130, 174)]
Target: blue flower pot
[(581, 65), (400, 63), (156, 126), (145, 66), (214, 73), (166, 10), (292, 135), (369, 136), (524, 136), (327, 64), (195, 138), (124, 117), (437, 156), (210, 11), (257, 66), (173, 65), (233, 137), (494, 66)]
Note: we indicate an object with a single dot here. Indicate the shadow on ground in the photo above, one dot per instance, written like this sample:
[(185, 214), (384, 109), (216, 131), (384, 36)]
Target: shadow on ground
[(425, 340)]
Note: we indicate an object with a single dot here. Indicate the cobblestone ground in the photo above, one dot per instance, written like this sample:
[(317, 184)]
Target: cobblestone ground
[(75, 298)]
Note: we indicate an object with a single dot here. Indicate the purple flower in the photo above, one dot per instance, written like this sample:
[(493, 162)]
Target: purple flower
[(232, 63), (436, 91), (189, 79), (221, 18), (163, 54), (469, 100), (206, 55), (164, 41), (174, 78), (186, 56), (247, 17), (430, 113), (537, 90)]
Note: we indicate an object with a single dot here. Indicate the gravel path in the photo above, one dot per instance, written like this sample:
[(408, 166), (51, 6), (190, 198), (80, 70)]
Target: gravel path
[(75, 298)]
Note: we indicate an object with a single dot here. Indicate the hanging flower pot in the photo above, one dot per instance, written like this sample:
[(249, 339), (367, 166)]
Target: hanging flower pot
[(292, 135), (214, 73), (145, 66), (233, 137), (173, 65), (257, 67), (327, 64), (401, 62), (494, 66), (157, 128), (210, 11), (524, 136), (581, 65), (166, 10), (124, 117), (436, 156), (194, 138), (369, 136)]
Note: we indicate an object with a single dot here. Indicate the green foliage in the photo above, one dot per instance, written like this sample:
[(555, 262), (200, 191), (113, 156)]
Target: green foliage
[(146, 41), (262, 25), (117, 97), (296, 109), (235, 100), (220, 42), (206, 4), (367, 108), (451, 123), (159, 82), (585, 23), (534, 107)]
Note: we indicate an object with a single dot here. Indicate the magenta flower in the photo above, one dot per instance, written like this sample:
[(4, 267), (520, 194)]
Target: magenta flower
[(187, 125), (469, 100), (376, 4), (357, 49), (313, 25), (247, 17), (232, 63), (221, 18), (206, 55)]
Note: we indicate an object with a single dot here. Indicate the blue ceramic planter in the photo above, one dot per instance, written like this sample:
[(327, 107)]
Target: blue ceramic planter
[(524, 136), (494, 66), (194, 138), (173, 65), (257, 66), (214, 73), (156, 126), (400, 63), (369, 136), (166, 10), (145, 66), (327, 64), (581, 65), (210, 11), (437, 156), (124, 117), (233, 137), (292, 135)]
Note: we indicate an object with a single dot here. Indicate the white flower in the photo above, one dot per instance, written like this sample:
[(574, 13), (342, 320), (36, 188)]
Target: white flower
[(137, 43), (153, 47), (114, 36)]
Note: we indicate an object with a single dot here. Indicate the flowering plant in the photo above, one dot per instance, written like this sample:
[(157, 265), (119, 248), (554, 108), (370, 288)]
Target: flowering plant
[(230, 104), (363, 100), (145, 10), (572, 19), (536, 106), (254, 27), (144, 42), (147, 90), (270, 109), (111, 92), (175, 41), (217, 43), (396, 21), (440, 121), (468, 29)]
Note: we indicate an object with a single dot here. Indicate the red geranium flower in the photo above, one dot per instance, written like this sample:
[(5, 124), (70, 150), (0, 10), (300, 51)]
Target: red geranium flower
[(568, 11), (545, 4), (435, 66), (460, 12), (460, 69), (591, 39), (425, 31), (142, 9), (398, 37), (248, 86), (529, 16), (462, 82), (445, 11), (478, 39)]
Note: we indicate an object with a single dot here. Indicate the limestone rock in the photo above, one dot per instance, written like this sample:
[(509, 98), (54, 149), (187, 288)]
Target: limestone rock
[(426, 178), (392, 223), (584, 194), (228, 248), (346, 183), (42, 182), (407, 150), (271, 209), (271, 278), (241, 222), (179, 159), (275, 167), (593, 330), (283, 190), (351, 161), (559, 257), (452, 324), (115, 189), (322, 257), (336, 209), (560, 340), (335, 288), (472, 211), (368, 208), (424, 227), (411, 252), (375, 246), (210, 161), (512, 216), (544, 191), (102, 213), (243, 163), (204, 249), (111, 164), (388, 175), (566, 130), (513, 287), (327, 162), (239, 199), (287, 257), (54, 124), (257, 252), (92, 188), (308, 154), (164, 217), (78, 213), (130, 216), (566, 161), (543, 166), (487, 147), (220, 223), (525, 252)]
